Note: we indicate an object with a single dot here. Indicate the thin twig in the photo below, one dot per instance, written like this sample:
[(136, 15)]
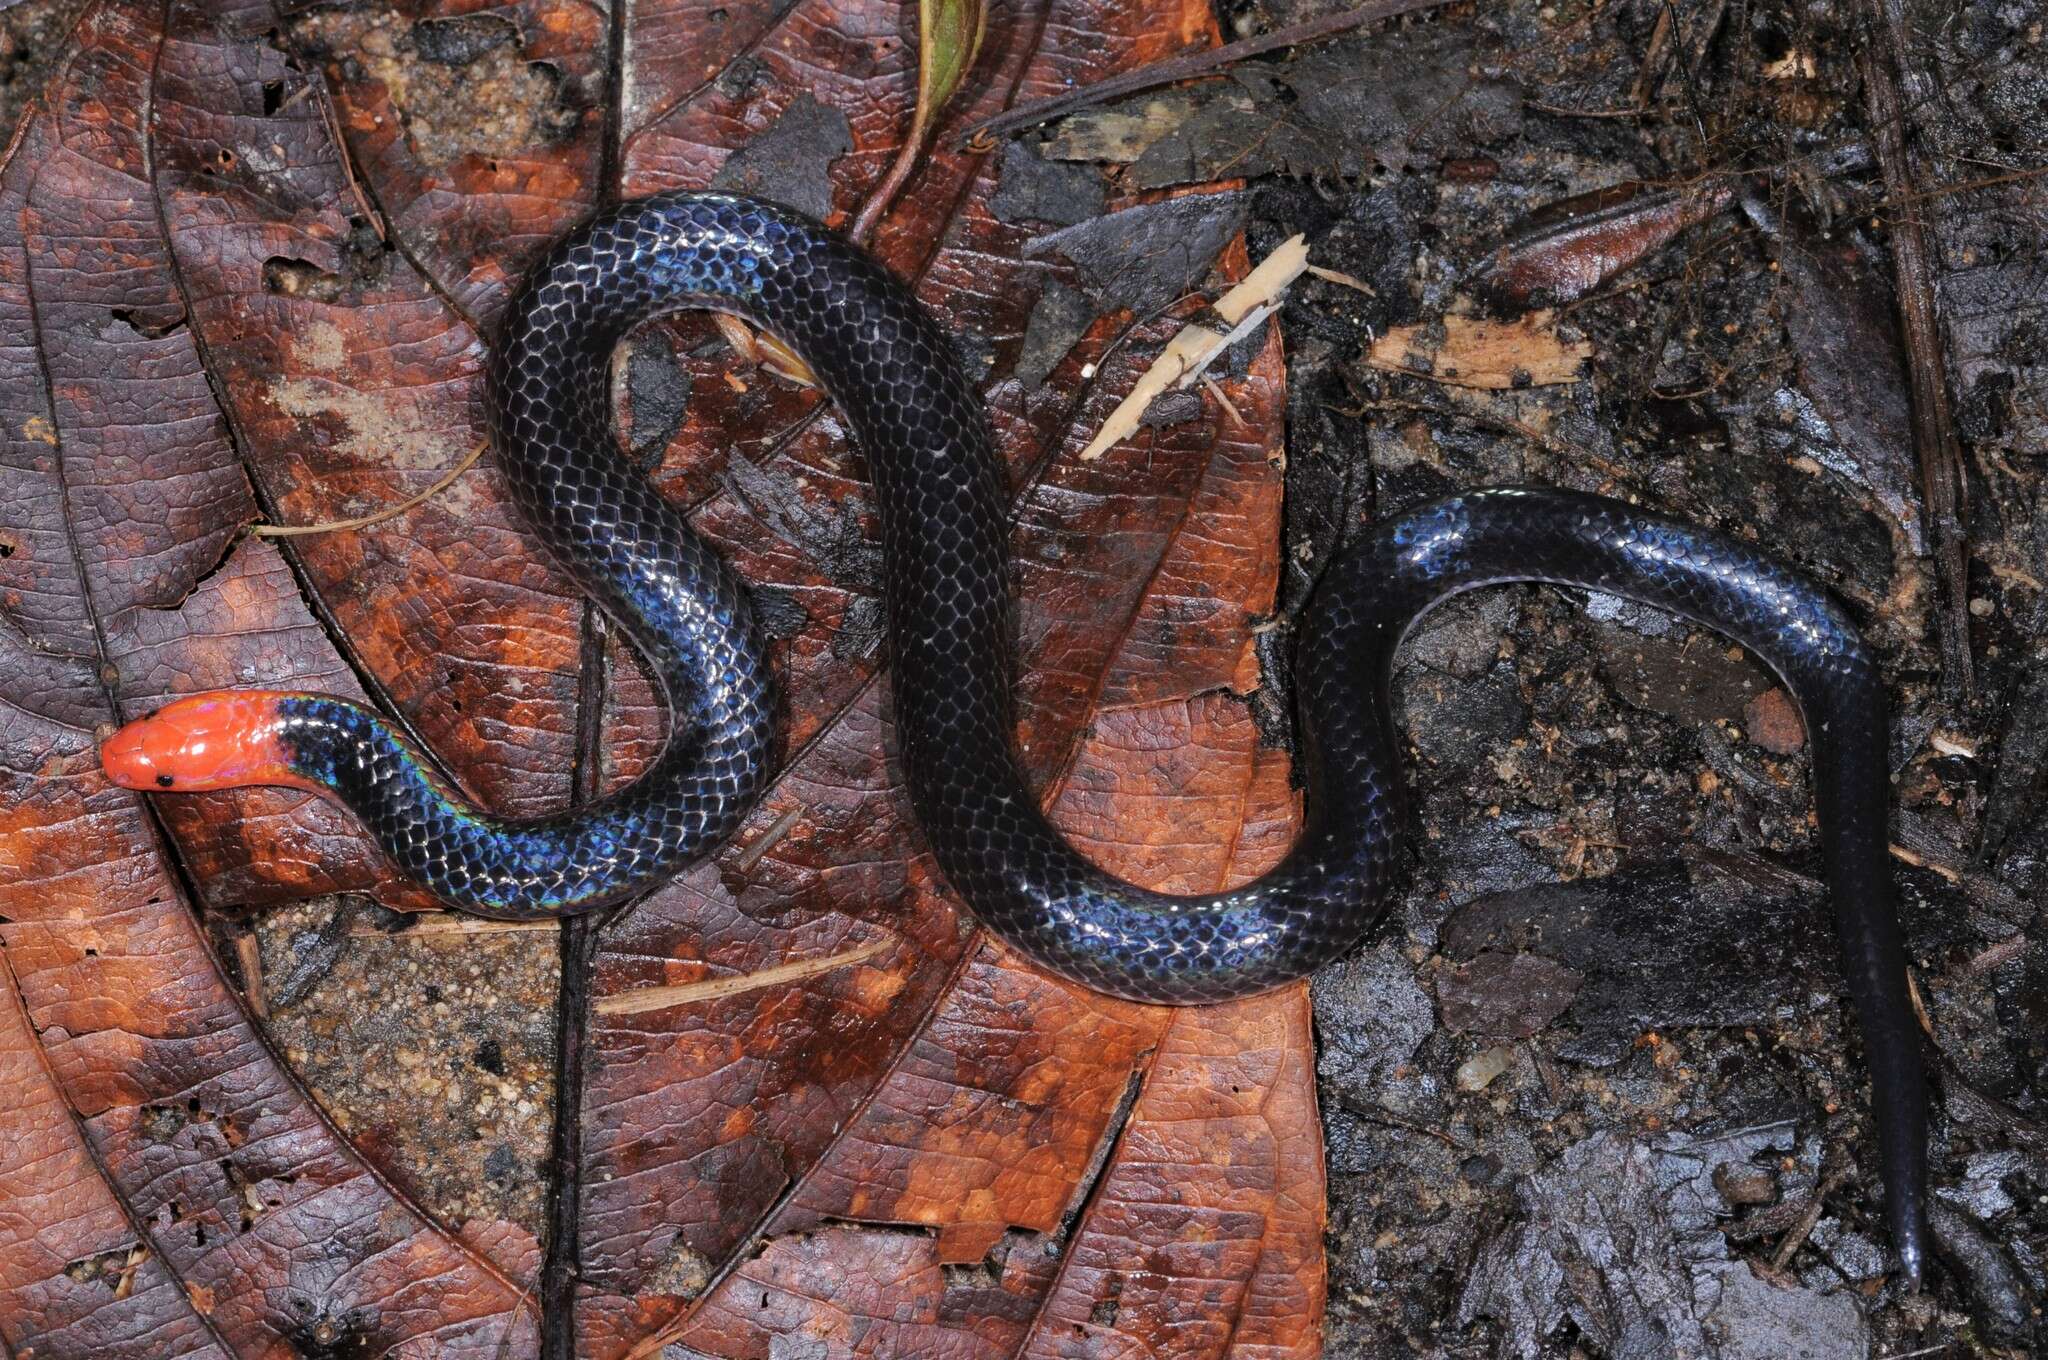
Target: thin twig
[(1198, 64), (1799, 1232), (1372, 1114), (886, 193), (1343, 280), (713, 989), (249, 955), (1210, 385), (1920, 1006), (460, 927), (1920, 861), (378, 516), (1944, 488), (1971, 185), (331, 116), (767, 840), (2000, 954), (1559, 111), (1651, 70)]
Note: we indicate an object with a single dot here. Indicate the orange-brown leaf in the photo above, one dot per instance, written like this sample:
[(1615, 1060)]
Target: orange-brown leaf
[(854, 1105)]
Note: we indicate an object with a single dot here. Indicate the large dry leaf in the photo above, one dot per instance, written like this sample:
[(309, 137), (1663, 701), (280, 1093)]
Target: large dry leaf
[(874, 1128), (170, 1189)]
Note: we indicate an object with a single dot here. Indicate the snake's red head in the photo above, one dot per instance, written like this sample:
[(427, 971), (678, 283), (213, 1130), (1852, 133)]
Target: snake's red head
[(209, 741)]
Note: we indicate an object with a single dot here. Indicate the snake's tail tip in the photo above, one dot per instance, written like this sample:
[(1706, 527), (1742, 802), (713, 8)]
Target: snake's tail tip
[(1910, 1273), (1909, 1237), (209, 741)]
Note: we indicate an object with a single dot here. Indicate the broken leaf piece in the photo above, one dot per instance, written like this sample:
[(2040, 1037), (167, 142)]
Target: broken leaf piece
[(1467, 351), (1572, 247)]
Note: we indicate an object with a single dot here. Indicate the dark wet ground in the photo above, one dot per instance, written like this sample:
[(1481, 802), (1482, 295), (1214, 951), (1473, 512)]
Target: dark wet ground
[(1596, 1088), (31, 36)]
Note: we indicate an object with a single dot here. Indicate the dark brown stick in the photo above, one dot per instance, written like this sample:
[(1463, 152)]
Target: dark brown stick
[(1198, 64), (1944, 485), (562, 1268)]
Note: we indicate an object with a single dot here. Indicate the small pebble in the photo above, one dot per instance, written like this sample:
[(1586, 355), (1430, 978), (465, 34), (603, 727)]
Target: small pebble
[(1740, 1184), (1477, 1072)]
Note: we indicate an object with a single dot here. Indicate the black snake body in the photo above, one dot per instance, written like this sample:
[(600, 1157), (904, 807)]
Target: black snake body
[(943, 504)]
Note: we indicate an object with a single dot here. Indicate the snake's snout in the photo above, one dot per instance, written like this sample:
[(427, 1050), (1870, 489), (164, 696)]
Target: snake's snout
[(209, 741)]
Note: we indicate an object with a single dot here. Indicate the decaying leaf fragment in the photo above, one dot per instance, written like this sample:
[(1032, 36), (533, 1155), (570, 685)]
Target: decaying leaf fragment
[(1468, 351), (1573, 246)]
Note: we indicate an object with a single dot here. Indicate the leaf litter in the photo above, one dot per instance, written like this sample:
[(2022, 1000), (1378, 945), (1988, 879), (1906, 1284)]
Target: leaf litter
[(1703, 391)]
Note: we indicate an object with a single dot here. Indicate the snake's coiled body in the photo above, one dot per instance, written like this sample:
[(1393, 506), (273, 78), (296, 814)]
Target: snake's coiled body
[(943, 504)]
